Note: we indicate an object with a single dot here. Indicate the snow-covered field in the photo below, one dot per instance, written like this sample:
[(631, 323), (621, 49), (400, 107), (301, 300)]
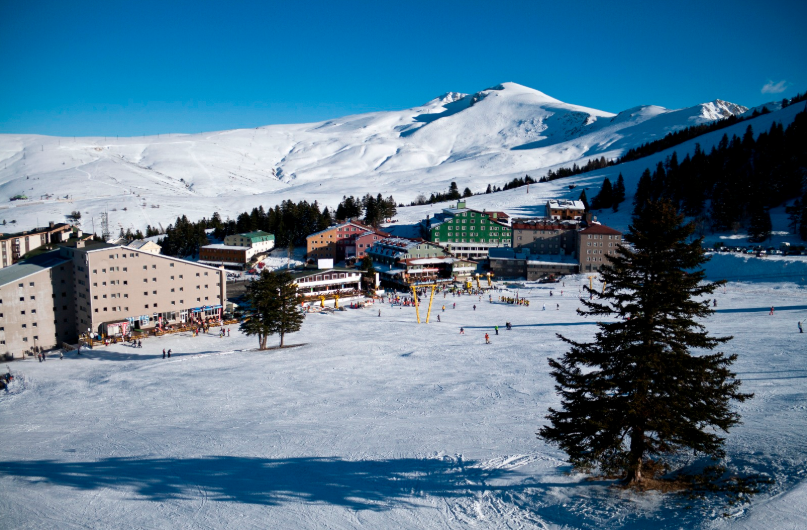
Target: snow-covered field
[(376, 422)]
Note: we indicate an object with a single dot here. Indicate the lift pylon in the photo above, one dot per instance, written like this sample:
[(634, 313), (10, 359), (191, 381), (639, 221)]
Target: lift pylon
[(417, 306)]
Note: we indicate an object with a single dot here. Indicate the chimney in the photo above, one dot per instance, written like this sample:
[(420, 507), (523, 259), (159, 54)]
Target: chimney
[(80, 243), (50, 224)]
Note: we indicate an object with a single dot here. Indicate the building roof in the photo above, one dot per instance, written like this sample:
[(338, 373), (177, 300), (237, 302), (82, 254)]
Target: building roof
[(544, 223), (313, 272), (565, 203), (259, 235), (140, 243), (597, 228), (31, 266), (37, 230), (340, 225), (222, 246)]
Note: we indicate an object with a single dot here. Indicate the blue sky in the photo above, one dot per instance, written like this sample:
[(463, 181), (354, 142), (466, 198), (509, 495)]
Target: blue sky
[(147, 67)]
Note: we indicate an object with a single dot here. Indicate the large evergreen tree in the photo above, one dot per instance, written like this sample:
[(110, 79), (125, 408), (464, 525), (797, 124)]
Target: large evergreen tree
[(618, 193), (273, 307), (638, 393)]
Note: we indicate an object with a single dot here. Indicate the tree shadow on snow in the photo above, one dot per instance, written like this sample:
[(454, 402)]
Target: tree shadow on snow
[(359, 485)]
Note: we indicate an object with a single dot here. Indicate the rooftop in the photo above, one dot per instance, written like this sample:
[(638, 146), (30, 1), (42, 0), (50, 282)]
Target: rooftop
[(600, 229), (31, 266), (565, 203), (257, 234)]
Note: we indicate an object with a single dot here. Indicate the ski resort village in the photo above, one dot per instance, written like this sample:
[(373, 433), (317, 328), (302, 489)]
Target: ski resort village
[(258, 269)]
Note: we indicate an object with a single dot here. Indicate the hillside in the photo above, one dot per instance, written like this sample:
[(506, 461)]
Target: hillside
[(475, 139)]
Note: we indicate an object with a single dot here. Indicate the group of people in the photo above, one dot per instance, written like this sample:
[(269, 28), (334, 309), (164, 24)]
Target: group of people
[(514, 301)]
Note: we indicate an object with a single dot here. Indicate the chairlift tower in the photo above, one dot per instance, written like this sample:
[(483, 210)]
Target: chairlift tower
[(105, 234)]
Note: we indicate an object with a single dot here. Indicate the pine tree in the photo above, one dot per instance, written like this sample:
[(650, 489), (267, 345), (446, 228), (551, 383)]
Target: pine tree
[(453, 191), (638, 394), (584, 200), (643, 192), (489, 190), (605, 198), (274, 307), (467, 192), (618, 193), (759, 228)]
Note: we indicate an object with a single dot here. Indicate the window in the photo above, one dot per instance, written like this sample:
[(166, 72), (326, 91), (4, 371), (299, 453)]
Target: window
[(197, 274), (147, 306), (170, 264), (154, 279), (172, 277), (154, 292), (154, 266), (172, 289), (22, 312), (145, 293), (145, 267), (22, 299), (145, 280), (105, 309), (125, 269), (155, 305), (205, 275), (125, 282)]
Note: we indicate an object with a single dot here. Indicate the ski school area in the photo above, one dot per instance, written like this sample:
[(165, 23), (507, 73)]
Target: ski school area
[(373, 420)]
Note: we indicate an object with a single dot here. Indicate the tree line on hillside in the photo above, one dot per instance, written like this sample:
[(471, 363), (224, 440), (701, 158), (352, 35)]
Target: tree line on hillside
[(372, 210), (738, 181), (452, 194), (289, 222)]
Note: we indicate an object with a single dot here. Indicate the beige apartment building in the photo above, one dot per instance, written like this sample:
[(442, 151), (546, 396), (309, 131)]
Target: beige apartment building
[(118, 289), (36, 304), (98, 288)]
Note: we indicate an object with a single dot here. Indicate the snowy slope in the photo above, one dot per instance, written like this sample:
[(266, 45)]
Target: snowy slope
[(378, 422), (475, 139)]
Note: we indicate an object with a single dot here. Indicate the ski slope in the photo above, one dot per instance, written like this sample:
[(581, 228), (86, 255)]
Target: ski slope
[(476, 139), (378, 422)]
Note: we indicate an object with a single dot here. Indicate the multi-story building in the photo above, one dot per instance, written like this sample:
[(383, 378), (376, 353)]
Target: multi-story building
[(15, 246), (36, 304), (359, 246), (595, 245), (565, 209), (99, 288), (313, 283), (522, 263), (333, 242), (467, 233), (408, 262), (545, 235), (229, 256), (259, 240)]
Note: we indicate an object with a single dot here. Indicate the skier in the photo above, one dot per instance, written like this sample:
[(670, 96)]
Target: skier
[(543, 308), (228, 332), (379, 313), (801, 330), (474, 307), (163, 353), (455, 305), (497, 329), (714, 302), (61, 355), (771, 310), (550, 294), (438, 318), (462, 331), (169, 353), (558, 308), (487, 338), (444, 309), (140, 344)]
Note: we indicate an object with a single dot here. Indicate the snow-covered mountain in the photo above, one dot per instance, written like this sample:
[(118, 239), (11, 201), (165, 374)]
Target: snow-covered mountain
[(474, 139)]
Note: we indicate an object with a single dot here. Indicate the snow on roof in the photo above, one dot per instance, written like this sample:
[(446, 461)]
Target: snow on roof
[(222, 246), (565, 203)]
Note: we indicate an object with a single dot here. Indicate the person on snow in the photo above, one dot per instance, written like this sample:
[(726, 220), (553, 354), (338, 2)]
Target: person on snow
[(163, 353), (474, 307), (543, 308), (714, 302), (497, 329), (462, 331), (455, 305), (771, 310), (379, 313), (169, 353), (438, 318), (558, 308), (487, 338), (801, 330)]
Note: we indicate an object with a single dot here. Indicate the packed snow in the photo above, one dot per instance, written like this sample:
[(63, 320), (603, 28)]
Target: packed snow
[(378, 422)]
